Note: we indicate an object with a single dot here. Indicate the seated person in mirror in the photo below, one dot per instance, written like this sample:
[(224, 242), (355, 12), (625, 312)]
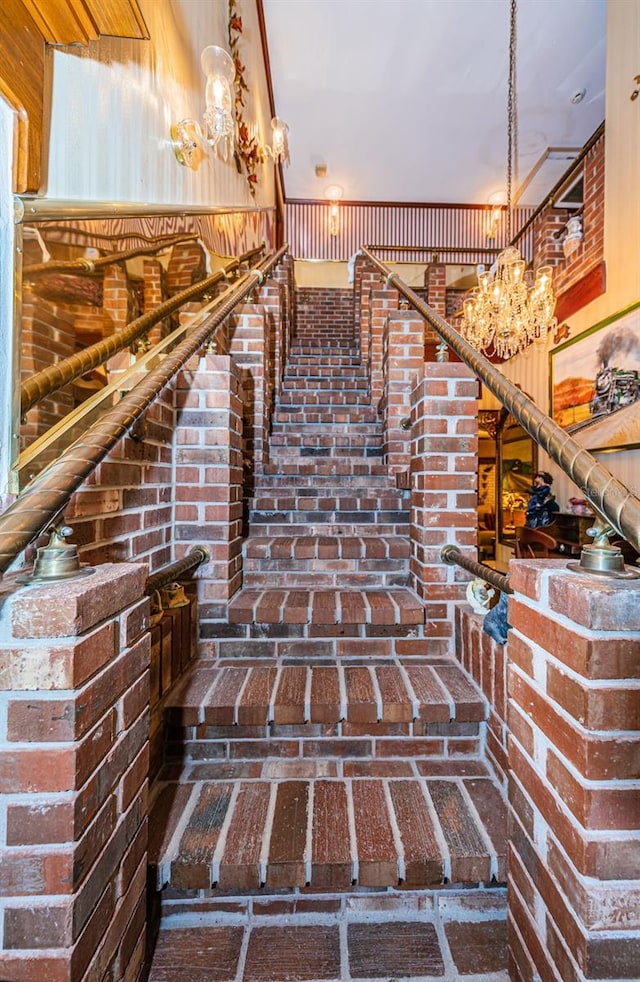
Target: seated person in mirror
[(542, 504)]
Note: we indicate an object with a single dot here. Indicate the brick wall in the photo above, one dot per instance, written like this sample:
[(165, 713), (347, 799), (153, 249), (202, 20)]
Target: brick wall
[(74, 688), (401, 366), (324, 307), (590, 253), (574, 748)]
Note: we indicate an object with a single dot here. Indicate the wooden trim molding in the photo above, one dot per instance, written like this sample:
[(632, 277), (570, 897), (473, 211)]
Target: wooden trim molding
[(81, 21), (590, 286)]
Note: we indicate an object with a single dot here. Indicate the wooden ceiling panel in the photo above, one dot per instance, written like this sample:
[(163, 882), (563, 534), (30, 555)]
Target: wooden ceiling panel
[(81, 21)]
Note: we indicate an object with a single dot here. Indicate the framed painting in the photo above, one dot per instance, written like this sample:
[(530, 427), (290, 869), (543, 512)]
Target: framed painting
[(594, 383)]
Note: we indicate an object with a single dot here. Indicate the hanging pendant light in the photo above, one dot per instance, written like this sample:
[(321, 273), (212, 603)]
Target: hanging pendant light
[(511, 307)]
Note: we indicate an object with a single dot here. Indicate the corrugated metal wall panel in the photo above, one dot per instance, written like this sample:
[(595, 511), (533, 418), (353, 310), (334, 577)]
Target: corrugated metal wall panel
[(441, 226)]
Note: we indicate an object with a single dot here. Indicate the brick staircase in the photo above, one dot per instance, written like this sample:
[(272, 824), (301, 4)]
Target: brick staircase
[(329, 760)]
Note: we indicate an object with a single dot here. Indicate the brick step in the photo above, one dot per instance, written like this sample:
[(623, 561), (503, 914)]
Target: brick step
[(321, 370), (319, 348), (299, 524), (397, 606), (334, 468), (325, 574), (299, 427), (328, 516), (327, 398), (292, 383), (309, 415), (340, 361), (337, 436), (434, 691), (326, 483), (317, 499), (355, 934), (284, 453), (327, 833)]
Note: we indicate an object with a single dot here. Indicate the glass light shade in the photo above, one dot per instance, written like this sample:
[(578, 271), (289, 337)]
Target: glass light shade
[(279, 141), (219, 121)]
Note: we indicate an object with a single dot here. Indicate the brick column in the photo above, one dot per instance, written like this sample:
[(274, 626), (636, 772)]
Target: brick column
[(443, 496), (186, 266), (153, 295), (401, 366), (248, 337), (369, 281), (283, 274), (270, 297), (383, 301), (117, 314), (574, 747), (436, 284), (209, 478), (74, 674)]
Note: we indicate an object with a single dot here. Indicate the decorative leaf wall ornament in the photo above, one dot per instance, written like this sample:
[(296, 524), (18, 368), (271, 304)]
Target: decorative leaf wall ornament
[(248, 150)]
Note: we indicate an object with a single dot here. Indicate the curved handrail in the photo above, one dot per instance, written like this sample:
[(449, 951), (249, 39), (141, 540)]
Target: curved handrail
[(54, 377), (173, 571), (609, 496), (86, 267), (452, 556), (50, 491)]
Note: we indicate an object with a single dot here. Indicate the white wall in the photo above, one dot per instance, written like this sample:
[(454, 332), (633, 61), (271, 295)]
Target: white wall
[(114, 101)]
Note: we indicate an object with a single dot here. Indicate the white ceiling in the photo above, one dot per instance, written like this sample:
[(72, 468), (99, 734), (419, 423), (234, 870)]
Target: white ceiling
[(406, 100)]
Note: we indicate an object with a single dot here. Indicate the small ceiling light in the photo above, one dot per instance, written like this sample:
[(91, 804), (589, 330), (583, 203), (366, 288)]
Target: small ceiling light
[(578, 96), (218, 119)]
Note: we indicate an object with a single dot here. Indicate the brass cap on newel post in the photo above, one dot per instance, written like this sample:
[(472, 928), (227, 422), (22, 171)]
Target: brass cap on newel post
[(58, 560), (600, 558)]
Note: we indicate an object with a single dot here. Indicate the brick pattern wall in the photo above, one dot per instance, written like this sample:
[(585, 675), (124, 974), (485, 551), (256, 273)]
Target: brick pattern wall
[(367, 280), (74, 687), (383, 301), (401, 366), (155, 293), (124, 510), (486, 662), (46, 329), (590, 252), (574, 746), (320, 307), (443, 496), (186, 266)]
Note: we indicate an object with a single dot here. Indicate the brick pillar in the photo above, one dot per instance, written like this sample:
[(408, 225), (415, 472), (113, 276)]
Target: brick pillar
[(436, 284), (74, 671), (401, 366), (574, 747), (283, 275), (383, 301), (547, 242), (248, 346), (443, 496), (117, 314), (154, 293), (370, 280), (208, 479), (48, 336), (186, 266), (270, 297)]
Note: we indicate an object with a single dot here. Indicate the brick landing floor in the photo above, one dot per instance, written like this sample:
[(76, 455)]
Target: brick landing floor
[(395, 937)]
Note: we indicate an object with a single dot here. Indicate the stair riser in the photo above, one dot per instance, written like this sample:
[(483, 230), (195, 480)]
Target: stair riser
[(326, 516), (328, 397), (301, 580), (306, 502), (342, 440), (318, 528), (287, 454), (312, 434), (313, 372), (301, 416)]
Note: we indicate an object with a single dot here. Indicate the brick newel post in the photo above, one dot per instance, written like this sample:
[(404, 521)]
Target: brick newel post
[(249, 348), (74, 758), (209, 478), (574, 752), (443, 495), (402, 363)]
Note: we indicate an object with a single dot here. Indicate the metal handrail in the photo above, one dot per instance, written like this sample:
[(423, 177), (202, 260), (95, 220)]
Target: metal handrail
[(173, 571), (609, 496), (50, 379), (452, 556), (87, 267), (50, 491)]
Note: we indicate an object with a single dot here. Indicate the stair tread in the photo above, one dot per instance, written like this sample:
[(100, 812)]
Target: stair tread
[(294, 606), (434, 692), (297, 832), (327, 547)]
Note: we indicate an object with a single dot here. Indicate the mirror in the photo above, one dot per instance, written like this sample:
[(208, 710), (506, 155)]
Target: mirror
[(517, 462)]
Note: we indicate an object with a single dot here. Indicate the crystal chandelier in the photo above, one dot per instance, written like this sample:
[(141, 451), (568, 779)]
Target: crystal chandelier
[(511, 307)]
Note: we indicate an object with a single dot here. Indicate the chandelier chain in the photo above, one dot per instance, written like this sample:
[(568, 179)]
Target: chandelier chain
[(511, 116)]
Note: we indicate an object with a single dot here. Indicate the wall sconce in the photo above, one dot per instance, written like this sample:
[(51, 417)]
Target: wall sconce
[(574, 236), (279, 149), (218, 119), (334, 193)]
